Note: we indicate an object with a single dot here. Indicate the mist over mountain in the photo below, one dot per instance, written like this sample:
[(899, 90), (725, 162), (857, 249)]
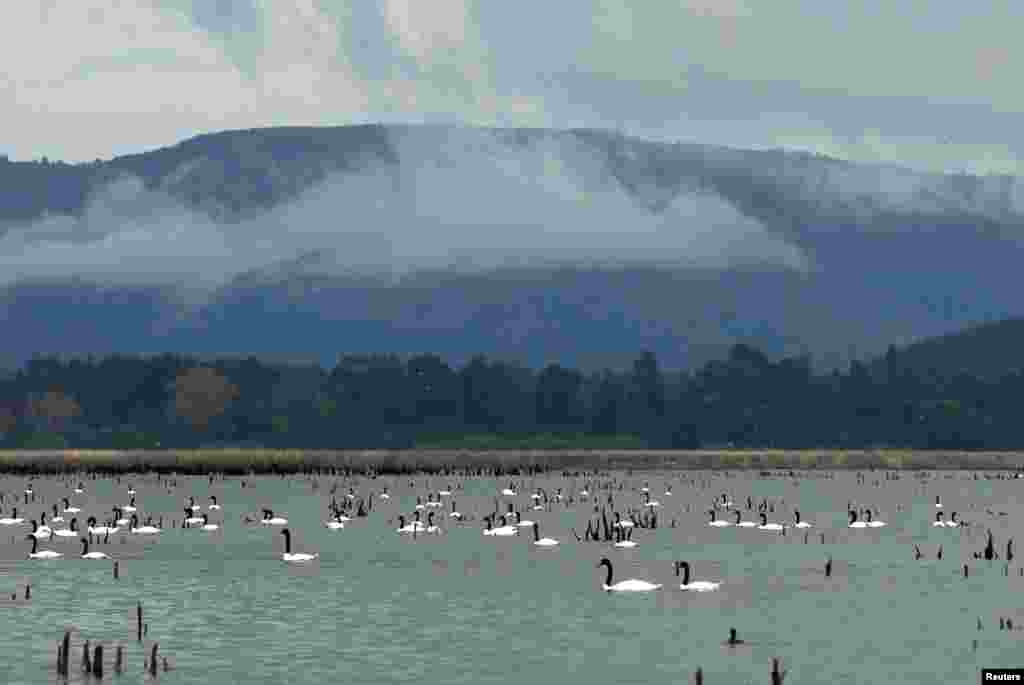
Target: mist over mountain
[(578, 246)]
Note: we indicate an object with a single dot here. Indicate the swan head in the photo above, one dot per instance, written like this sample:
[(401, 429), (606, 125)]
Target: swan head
[(685, 565), (764, 519), (604, 562), (285, 532)]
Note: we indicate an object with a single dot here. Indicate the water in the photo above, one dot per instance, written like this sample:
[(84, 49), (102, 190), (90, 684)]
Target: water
[(462, 608)]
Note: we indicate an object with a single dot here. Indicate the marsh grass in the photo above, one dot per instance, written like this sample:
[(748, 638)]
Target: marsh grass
[(245, 460)]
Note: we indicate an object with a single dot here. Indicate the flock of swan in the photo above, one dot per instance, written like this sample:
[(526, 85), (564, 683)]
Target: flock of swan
[(723, 513)]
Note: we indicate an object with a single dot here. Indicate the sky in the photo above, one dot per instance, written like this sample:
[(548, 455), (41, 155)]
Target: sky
[(930, 84)]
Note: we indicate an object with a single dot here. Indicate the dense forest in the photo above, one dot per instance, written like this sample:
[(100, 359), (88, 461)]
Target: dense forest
[(744, 400)]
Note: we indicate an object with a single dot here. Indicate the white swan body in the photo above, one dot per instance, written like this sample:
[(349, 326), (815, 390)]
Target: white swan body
[(298, 556), (631, 585), (542, 542), (800, 523), (625, 544), (717, 522), (694, 585), (765, 525), (86, 554)]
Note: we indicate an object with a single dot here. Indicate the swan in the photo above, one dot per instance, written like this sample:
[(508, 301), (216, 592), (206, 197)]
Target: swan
[(86, 554), (121, 520), (542, 542), (871, 522), (144, 530), (190, 519), (508, 492), (522, 523), (70, 532), (56, 518), (130, 507), (718, 523), (402, 528), (131, 491), (938, 522), (631, 585), (854, 523), (431, 528), (213, 503), (270, 520), (38, 533), (504, 529), (952, 522), (80, 489), (44, 530), (192, 504), (799, 523), (298, 556), (385, 495), (336, 523), (68, 509), (743, 524), (45, 554), (454, 514), (99, 530), (696, 585), (768, 526), (207, 526)]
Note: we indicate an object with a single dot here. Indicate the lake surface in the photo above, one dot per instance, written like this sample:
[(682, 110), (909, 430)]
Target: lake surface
[(378, 607)]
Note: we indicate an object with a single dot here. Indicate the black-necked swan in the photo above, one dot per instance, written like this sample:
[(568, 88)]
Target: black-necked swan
[(192, 504), (100, 529), (207, 526), (768, 526), (68, 509), (270, 520), (70, 532), (696, 585), (39, 534), (45, 554), (431, 528), (716, 522), (854, 523), (504, 529), (542, 542), (86, 554), (938, 522), (56, 518), (743, 524), (402, 528), (144, 530), (952, 522), (631, 585), (298, 556), (213, 503), (872, 523), (191, 519), (336, 523), (521, 522), (799, 523), (454, 514)]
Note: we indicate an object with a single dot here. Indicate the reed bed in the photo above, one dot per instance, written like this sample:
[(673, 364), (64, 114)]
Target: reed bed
[(505, 461)]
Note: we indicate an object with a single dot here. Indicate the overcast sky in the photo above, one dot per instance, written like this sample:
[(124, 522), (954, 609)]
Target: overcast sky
[(933, 84)]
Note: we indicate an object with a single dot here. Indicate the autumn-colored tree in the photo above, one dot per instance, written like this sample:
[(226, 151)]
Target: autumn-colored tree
[(53, 407), (200, 394)]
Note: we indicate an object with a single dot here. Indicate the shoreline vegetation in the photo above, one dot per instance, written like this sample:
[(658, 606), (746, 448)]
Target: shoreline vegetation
[(491, 461)]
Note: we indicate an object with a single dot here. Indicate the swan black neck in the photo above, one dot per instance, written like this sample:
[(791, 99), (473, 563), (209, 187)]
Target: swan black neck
[(764, 519), (685, 565), (287, 541), (608, 574)]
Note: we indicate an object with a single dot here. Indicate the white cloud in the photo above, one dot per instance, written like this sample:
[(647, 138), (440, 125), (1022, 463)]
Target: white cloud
[(91, 78)]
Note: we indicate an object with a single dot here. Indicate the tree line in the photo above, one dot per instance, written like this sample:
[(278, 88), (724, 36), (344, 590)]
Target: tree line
[(378, 400)]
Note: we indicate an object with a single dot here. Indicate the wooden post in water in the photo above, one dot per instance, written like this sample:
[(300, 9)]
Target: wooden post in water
[(66, 652), (777, 675), (138, 615), (699, 677), (115, 568), (86, 666), (119, 659), (97, 662), (152, 659), (28, 591)]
